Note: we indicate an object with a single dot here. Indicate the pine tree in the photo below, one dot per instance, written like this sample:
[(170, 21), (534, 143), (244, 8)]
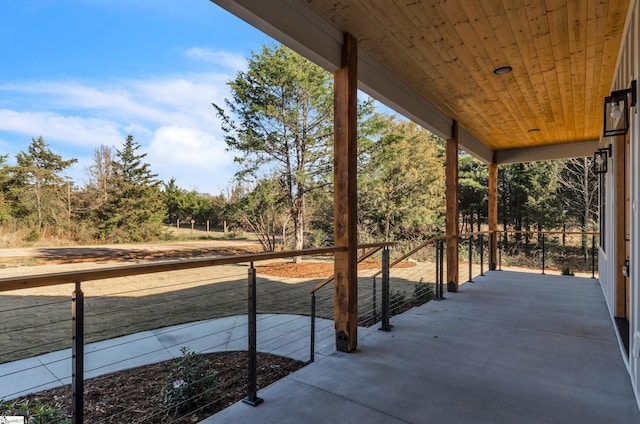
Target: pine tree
[(402, 184), (37, 185), (134, 209), (473, 179), (5, 207), (284, 107)]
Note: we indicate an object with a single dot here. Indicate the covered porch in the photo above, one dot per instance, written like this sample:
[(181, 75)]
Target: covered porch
[(512, 347), (507, 82)]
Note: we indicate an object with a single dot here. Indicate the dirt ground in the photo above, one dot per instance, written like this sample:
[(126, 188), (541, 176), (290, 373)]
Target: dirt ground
[(36, 321)]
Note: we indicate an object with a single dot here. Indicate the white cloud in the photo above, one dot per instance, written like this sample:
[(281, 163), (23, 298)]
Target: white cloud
[(170, 116), (229, 60), (152, 100), (196, 159), (80, 131)]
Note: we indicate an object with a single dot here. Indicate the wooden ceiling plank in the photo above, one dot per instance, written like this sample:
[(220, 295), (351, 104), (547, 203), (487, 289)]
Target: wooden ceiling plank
[(559, 34), (596, 28), (472, 56), (563, 52), (518, 23), (490, 54), (521, 82), (426, 55), (550, 104), (460, 70), (615, 25), (577, 18)]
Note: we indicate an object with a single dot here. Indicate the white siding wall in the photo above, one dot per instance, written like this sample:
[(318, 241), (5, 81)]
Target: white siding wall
[(634, 60), (628, 67)]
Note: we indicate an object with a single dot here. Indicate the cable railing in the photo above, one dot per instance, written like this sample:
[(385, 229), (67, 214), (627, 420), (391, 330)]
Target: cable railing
[(563, 252), (396, 288), (119, 319), (474, 255)]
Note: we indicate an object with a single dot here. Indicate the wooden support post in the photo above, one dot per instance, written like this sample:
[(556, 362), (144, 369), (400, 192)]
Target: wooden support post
[(451, 181), (345, 195), (493, 216)]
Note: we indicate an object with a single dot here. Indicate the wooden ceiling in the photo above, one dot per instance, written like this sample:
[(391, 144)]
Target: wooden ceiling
[(563, 55), (433, 60)]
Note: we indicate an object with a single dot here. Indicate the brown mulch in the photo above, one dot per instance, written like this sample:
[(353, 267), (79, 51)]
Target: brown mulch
[(318, 269), (135, 396)]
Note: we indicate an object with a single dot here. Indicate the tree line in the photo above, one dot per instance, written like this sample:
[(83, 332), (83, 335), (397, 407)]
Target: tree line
[(278, 122)]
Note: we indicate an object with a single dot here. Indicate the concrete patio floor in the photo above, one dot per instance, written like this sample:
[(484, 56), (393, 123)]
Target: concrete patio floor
[(511, 348)]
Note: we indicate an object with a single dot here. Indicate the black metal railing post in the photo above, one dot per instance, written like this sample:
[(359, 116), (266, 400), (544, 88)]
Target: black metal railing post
[(593, 256), (252, 383), (491, 248), (77, 355), (543, 253), (374, 309), (500, 255), (437, 281), (481, 255), (441, 277), (470, 280), (385, 326), (312, 337)]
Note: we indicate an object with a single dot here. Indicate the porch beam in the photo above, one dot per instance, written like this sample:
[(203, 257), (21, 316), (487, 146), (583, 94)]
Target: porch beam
[(493, 215), (345, 195), (451, 193), (550, 152)]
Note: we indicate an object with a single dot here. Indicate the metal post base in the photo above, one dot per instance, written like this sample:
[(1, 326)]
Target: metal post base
[(342, 342), (253, 402)]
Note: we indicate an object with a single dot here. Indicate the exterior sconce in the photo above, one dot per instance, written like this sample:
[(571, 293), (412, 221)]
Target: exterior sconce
[(616, 111), (600, 159)]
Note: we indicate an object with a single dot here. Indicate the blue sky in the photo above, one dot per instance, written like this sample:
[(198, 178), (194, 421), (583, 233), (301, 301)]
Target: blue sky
[(81, 73)]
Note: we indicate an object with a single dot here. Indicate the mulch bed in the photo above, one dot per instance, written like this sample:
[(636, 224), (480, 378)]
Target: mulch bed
[(312, 269), (135, 396)]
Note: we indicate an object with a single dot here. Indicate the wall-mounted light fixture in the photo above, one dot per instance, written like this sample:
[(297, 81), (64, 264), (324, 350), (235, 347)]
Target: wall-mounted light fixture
[(600, 160), (616, 111)]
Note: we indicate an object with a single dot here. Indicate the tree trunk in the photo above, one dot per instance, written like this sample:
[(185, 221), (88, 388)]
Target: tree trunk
[(505, 238), (297, 216), (387, 224), (39, 201), (518, 227)]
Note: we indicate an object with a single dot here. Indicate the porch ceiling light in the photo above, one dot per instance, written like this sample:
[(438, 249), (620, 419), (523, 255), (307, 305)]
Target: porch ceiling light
[(502, 70), (616, 111)]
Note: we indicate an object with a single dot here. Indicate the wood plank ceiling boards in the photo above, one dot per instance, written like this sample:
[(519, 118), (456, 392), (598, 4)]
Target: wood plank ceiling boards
[(562, 52)]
